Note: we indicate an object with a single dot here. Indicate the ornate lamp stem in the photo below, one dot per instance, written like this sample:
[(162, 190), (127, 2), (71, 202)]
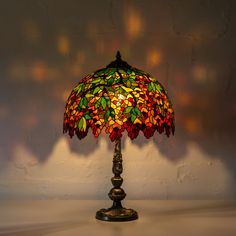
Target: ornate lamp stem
[(117, 194)]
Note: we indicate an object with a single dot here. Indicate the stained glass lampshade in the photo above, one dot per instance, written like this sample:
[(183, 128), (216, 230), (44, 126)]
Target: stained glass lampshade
[(116, 99)]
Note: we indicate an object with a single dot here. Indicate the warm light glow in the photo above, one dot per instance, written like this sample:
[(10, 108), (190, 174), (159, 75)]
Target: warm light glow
[(36, 71), (118, 98), (63, 45), (200, 74), (121, 97), (192, 125), (133, 23), (153, 58), (185, 99), (39, 71)]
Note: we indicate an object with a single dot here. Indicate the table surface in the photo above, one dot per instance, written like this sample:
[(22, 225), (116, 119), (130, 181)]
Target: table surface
[(156, 217)]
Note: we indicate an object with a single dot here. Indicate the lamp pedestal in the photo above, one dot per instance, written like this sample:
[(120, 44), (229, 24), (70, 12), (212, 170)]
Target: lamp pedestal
[(117, 194)]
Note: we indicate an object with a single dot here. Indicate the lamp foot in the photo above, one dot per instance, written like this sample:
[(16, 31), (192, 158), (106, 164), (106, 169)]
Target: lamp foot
[(116, 214)]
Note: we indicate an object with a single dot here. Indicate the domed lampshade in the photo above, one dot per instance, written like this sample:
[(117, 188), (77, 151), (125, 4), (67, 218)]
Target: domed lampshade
[(116, 99)]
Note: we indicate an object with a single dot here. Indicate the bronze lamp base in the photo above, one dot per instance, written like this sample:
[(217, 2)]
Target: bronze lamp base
[(117, 194), (116, 213)]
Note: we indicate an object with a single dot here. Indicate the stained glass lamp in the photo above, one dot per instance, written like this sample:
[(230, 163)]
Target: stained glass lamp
[(116, 99)]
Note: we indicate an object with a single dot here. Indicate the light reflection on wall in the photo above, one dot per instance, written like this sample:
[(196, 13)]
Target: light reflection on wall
[(153, 58), (63, 45), (39, 71), (192, 125), (133, 22), (202, 74), (185, 99)]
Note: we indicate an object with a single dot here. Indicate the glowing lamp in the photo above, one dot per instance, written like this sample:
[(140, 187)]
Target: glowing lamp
[(118, 98)]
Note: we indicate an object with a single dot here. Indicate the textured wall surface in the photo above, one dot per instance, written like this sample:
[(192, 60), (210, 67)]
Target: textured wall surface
[(47, 46)]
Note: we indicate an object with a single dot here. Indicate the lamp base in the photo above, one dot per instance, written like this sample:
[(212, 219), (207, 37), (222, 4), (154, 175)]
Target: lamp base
[(116, 214)]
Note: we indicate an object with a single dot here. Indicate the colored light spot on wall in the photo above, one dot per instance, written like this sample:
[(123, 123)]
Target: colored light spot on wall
[(200, 74), (192, 125), (184, 99), (153, 58), (39, 71), (63, 45), (134, 24)]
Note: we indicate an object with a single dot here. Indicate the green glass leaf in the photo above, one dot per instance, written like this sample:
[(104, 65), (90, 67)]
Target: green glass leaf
[(118, 80), (98, 103), (112, 113), (107, 114), (149, 87), (128, 83), (137, 111), (89, 95), (96, 90), (128, 109), (80, 104), (103, 102), (110, 73), (79, 88), (129, 71), (158, 87), (87, 117), (96, 81), (110, 81), (109, 103), (133, 117), (85, 101), (132, 111), (153, 86), (82, 124)]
